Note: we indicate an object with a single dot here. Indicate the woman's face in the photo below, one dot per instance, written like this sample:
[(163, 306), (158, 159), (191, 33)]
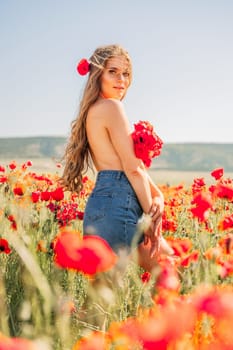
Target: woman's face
[(115, 78)]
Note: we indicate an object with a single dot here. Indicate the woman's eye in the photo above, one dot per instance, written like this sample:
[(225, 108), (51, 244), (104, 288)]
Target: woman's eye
[(112, 71), (126, 74)]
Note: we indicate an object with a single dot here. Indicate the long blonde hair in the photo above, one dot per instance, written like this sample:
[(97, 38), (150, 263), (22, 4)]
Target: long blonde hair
[(77, 153)]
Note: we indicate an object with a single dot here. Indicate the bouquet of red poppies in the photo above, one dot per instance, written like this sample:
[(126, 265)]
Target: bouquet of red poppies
[(147, 144)]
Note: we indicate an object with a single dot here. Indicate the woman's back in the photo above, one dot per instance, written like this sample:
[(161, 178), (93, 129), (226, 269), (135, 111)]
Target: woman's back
[(102, 150)]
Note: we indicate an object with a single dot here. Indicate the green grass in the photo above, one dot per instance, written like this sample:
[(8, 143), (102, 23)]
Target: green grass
[(35, 294)]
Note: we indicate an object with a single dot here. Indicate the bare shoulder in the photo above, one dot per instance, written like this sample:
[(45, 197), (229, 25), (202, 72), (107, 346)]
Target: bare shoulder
[(107, 108)]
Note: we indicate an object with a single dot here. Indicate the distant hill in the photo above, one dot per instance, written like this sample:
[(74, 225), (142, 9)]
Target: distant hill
[(195, 156), (32, 147), (174, 156)]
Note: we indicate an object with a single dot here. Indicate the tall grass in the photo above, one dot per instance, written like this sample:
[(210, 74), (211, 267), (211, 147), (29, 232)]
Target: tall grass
[(55, 308)]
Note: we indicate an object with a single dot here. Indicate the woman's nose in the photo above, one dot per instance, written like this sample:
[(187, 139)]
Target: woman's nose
[(120, 76)]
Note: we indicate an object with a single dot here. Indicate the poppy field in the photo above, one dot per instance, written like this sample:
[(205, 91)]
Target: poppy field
[(60, 291)]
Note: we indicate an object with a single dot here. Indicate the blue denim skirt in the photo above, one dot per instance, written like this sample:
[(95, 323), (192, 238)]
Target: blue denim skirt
[(113, 210)]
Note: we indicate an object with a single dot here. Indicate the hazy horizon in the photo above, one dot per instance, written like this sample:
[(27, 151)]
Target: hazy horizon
[(65, 137)]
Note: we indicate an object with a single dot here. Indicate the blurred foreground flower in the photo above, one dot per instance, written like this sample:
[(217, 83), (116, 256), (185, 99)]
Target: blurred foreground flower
[(15, 344), (224, 191), (158, 329), (145, 277), (4, 247), (95, 341), (226, 223), (89, 255), (3, 179), (168, 277)]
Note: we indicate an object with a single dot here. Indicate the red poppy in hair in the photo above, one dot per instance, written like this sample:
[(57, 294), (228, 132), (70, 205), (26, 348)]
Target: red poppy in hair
[(83, 67)]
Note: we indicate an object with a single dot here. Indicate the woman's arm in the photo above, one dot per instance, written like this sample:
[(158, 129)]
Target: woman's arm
[(148, 194), (155, 191), (118, 128), (157, 200), (158, 243)]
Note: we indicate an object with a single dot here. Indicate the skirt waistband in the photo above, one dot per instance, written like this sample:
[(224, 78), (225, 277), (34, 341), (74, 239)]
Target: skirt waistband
[(114, 174)]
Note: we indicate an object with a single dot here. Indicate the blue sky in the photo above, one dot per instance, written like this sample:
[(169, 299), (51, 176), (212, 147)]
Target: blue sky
[(182, 55)]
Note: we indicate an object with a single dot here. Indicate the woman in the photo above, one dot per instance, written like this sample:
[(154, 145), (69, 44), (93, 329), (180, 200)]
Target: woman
[(101, 134)]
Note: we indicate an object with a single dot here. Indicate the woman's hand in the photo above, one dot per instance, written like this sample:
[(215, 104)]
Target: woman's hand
[(156, 211), (153, 236), (154, 232), (158, 243), (157, 208)]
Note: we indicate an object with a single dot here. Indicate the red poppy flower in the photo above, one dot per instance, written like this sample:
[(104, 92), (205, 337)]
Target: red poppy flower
[(35, 196), (83, 67), (45, 196), (168, 278), (53, 207), (95, 341), (203, 202), (222, 191), (169, 225), (66, 213), (98, 253), (42, 178), (200, 182), (12, 165), (84, 179), (226, 223), (226, 265), (4, 247), (57, 194), (18, 191), (15, 344), (159, 329), (217, 173), (145, 277), (65, 245), (218, 303), (13, 222), (26, 165), (198, 185), (226, 243), (180, 246), (147, 144), (80, 215), (192, 257), (3, 179), (89, 256), (2, 169)]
